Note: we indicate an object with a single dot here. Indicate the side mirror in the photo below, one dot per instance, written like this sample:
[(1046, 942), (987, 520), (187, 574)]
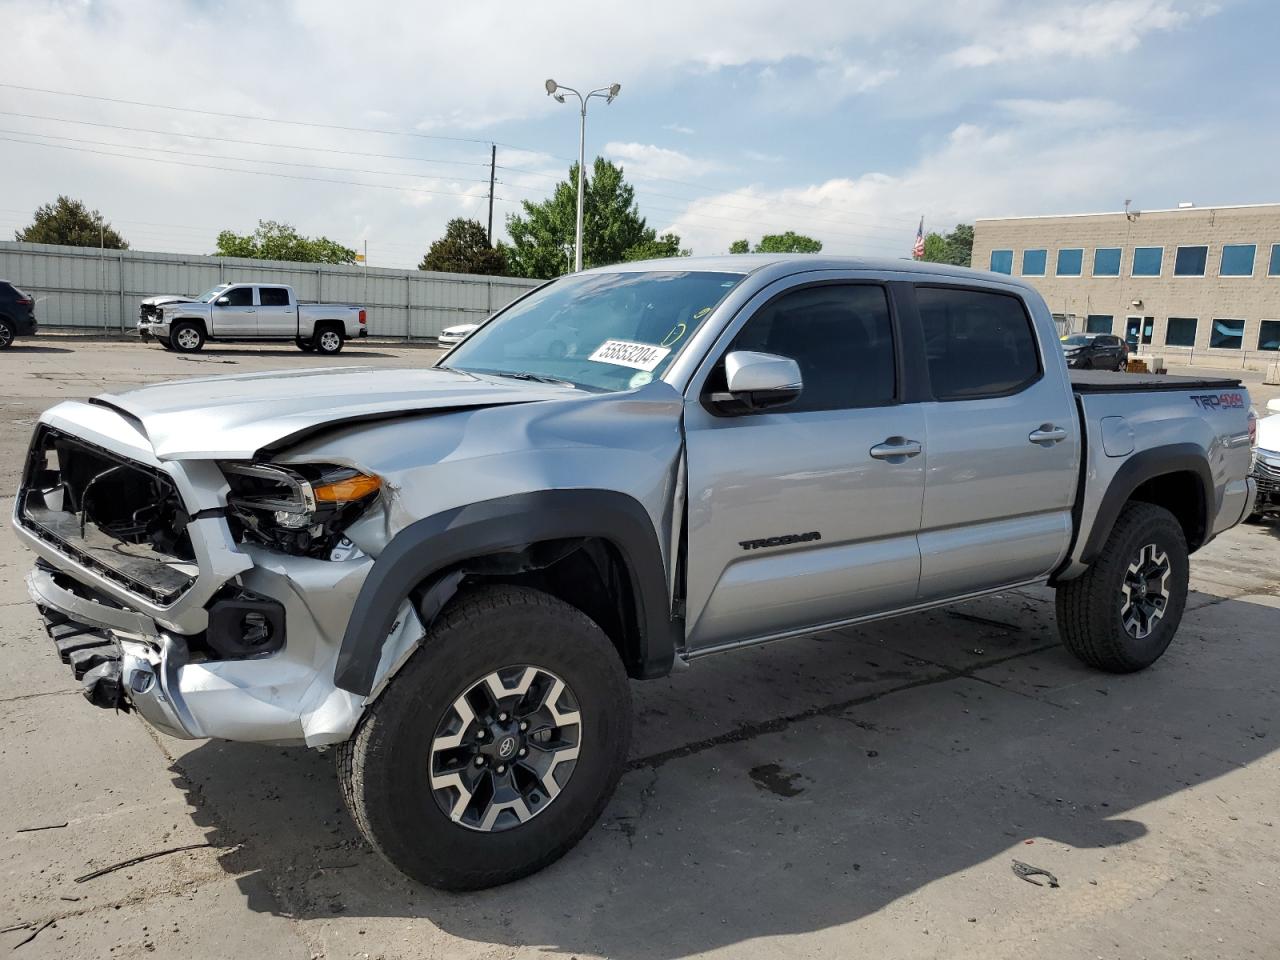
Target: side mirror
[(1273, 406), (223, 301), (757, 381)]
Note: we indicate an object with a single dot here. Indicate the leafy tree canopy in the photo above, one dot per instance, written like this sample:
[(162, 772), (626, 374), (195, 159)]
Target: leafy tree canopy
[(542, 235), (281, 241), (789, 242), (71, 223), (465, 248), (955, 247)]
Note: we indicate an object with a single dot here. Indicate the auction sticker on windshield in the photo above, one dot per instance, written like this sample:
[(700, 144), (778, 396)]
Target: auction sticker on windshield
[(627, 353)]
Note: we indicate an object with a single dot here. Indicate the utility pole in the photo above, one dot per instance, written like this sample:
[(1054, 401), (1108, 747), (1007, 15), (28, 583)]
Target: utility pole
[(493, 168)]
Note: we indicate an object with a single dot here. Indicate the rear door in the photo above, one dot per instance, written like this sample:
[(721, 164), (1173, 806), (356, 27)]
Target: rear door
[(277, 316), (238, 315), (805, 514), (1003, 443)]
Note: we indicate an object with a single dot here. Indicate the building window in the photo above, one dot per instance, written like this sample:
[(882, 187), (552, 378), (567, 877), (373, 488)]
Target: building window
[(1106, 262), (1070, 261), (1002, 261), (1181, 332), (1237, 259), (1190, 261), (1269, 335), (1033, 262), (1274, 269), (1098, 323), (1147, 261), (1227, 334)]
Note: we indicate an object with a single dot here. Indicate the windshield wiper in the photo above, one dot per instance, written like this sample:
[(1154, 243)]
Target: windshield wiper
[(532, 377)]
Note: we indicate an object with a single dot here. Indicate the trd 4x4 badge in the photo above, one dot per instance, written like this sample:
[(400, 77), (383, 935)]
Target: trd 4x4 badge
[(1209, 401), (781, 541)]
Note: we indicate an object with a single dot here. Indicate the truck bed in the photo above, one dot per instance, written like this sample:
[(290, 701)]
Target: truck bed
[(1106, 381)]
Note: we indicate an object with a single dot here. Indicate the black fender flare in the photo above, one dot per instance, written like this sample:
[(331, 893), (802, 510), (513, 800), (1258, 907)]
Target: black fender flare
[(447, 539), (1137, 470)]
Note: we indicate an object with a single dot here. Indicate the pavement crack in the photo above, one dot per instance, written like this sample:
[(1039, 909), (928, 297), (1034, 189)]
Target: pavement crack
[(32, 696), (751, 731)]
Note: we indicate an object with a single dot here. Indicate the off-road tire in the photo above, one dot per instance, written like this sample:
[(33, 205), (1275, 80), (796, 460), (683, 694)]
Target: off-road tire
[(384, 769), (328, 339), (7, 334), (1089, 608), (180, 340)]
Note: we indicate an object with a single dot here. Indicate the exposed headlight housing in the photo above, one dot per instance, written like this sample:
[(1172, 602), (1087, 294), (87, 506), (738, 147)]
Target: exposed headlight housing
[(301, 509)]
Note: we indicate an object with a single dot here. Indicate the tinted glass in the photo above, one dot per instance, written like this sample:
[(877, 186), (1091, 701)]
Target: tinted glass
[(1237, 259), (1190, 261), (1269, 335), (978, 344), (1181, 332), (1227, 334), (1098, 323), (840, 336), (1147, 261), (1069, 262), (1273, 270), (239, 297), (1076, 340), (1106, 262), (273, 296), (1002, 261), (6, 290), (1033, 262), (598, 331)]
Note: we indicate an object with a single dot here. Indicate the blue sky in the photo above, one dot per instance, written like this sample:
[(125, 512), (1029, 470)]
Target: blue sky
[(844, 119)]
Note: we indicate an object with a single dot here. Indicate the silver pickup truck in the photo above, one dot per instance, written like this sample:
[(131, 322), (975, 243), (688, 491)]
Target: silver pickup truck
[(249, 311), (450, 573)]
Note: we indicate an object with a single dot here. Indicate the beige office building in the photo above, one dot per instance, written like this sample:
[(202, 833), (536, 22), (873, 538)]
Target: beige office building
[(1202, 280)]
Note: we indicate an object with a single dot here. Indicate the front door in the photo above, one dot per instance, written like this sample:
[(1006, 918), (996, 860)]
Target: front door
[(276, 316), (806, 514), (1132, 332), (1003, 442), (238, 317)]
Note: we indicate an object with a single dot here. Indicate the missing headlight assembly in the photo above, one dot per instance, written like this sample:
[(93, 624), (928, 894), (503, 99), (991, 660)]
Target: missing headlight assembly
[(301, 509)]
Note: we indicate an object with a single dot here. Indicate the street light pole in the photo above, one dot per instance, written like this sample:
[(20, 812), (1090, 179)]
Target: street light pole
[(609, 93)]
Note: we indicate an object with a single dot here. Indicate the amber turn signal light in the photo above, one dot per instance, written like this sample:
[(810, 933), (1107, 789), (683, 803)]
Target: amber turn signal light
[(347, 489)]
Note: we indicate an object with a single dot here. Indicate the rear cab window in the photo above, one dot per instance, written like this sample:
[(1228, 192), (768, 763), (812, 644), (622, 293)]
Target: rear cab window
[(273, 297), (978, 343)]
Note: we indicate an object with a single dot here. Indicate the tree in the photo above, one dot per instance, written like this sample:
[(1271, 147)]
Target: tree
[(542, 236), (955, 248), (667, 245), (465, 248), (281, 241), (789, 242), (71, 223)]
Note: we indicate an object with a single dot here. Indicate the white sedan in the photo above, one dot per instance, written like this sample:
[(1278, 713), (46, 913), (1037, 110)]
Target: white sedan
[(452, 336)]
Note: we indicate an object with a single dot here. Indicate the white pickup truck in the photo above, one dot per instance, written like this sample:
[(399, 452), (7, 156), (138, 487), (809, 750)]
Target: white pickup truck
[(249, 311)]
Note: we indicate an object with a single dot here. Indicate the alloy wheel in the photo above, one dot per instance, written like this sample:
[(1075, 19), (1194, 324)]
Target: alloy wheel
[(1145, 591), (330, 342), (505, 748), (188, 339), (6, 335)]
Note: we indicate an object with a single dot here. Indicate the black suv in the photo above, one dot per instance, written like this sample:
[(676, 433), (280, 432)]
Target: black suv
[(17, 314), (1095, 351)]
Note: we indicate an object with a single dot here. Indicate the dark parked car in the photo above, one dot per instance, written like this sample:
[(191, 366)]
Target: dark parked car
[(17, 314), (1095, 351)]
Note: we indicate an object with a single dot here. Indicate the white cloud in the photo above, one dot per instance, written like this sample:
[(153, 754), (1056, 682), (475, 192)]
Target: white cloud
[(679, 128), (1075, 111), (649, 160), (1091, 31)]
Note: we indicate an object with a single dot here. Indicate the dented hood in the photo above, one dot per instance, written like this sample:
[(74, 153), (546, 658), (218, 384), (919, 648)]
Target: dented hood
[(235, 417)]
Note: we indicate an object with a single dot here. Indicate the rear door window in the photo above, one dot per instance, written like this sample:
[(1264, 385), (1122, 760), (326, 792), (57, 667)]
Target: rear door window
[(273, 296), (978, 343)]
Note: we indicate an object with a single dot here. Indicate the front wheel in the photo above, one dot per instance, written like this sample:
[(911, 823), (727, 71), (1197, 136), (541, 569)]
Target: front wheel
[(186, 337), (1122, 613), (496, 747)]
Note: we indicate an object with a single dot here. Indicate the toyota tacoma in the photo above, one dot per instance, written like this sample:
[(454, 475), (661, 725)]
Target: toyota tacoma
[(450, 574)]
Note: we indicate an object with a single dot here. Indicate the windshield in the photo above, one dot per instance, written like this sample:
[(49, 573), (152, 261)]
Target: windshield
[(208, 295), (1075, 340), (597, 331)]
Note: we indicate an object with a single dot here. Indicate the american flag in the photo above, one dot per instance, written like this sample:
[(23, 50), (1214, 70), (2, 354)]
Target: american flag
[(917, 252)]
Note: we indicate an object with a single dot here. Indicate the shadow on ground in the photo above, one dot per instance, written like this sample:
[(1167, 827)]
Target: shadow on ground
[(804, 786)]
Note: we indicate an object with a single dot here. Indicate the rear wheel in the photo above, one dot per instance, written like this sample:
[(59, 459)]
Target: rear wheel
[(328, 340), (1122, 613), (497, 745), (187, 337), (7, 333)]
